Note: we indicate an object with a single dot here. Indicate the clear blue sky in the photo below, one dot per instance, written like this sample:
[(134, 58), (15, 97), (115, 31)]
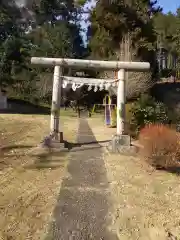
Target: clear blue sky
[(169, 5)]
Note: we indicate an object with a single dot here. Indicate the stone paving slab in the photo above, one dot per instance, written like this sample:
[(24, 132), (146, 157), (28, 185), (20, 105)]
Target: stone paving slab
[(82, 208)]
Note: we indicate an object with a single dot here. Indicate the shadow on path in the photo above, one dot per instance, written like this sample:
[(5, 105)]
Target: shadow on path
[(70, 145), (82, 208)]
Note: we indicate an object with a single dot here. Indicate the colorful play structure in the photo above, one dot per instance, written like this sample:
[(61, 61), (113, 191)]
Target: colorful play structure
[(110, 111)]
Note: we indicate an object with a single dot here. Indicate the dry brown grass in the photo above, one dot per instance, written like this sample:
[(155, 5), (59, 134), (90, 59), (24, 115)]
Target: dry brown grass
[(145, 205), (29, 184)]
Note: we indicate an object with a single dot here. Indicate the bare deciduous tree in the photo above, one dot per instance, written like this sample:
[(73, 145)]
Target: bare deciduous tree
[(136, 82)]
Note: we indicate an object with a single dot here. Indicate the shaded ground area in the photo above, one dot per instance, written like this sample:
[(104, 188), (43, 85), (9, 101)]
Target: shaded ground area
[(82, 210), (167, 93), (17, 106)]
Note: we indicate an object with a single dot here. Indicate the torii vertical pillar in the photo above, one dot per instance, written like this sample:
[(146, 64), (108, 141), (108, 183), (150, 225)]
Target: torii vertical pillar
[(121, 142), (121, 98), (56, 105)]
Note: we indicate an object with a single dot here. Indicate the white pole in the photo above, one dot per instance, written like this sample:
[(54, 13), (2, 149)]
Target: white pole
[(121, 102), (56, 103)]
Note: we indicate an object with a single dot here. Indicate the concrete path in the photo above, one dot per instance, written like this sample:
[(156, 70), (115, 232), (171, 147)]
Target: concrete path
[(82, 207)]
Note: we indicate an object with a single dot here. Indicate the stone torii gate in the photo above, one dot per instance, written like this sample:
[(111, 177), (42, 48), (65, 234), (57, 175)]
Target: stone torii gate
[(98, 84)]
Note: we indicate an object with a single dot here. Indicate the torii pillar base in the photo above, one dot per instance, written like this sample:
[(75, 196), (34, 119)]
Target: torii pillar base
[(58, 142), (59, 137), (121, 144), (54, 141)]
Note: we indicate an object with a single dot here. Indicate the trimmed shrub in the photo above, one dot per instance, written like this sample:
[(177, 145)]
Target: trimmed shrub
[(129, 125), (161, 147), (145, 111), (128, 110)]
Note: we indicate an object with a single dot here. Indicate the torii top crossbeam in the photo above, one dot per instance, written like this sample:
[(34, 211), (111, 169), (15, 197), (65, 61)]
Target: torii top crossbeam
[(89, 64)]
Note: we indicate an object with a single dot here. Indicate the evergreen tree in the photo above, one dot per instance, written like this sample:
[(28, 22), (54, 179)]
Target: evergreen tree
[(55, 34), (167, 27), (11, 41), (123, 30), (59, 19), (112, 20)]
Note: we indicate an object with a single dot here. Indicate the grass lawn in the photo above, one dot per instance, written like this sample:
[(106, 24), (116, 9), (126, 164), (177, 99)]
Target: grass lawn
[(145, 204), (29, 184)]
